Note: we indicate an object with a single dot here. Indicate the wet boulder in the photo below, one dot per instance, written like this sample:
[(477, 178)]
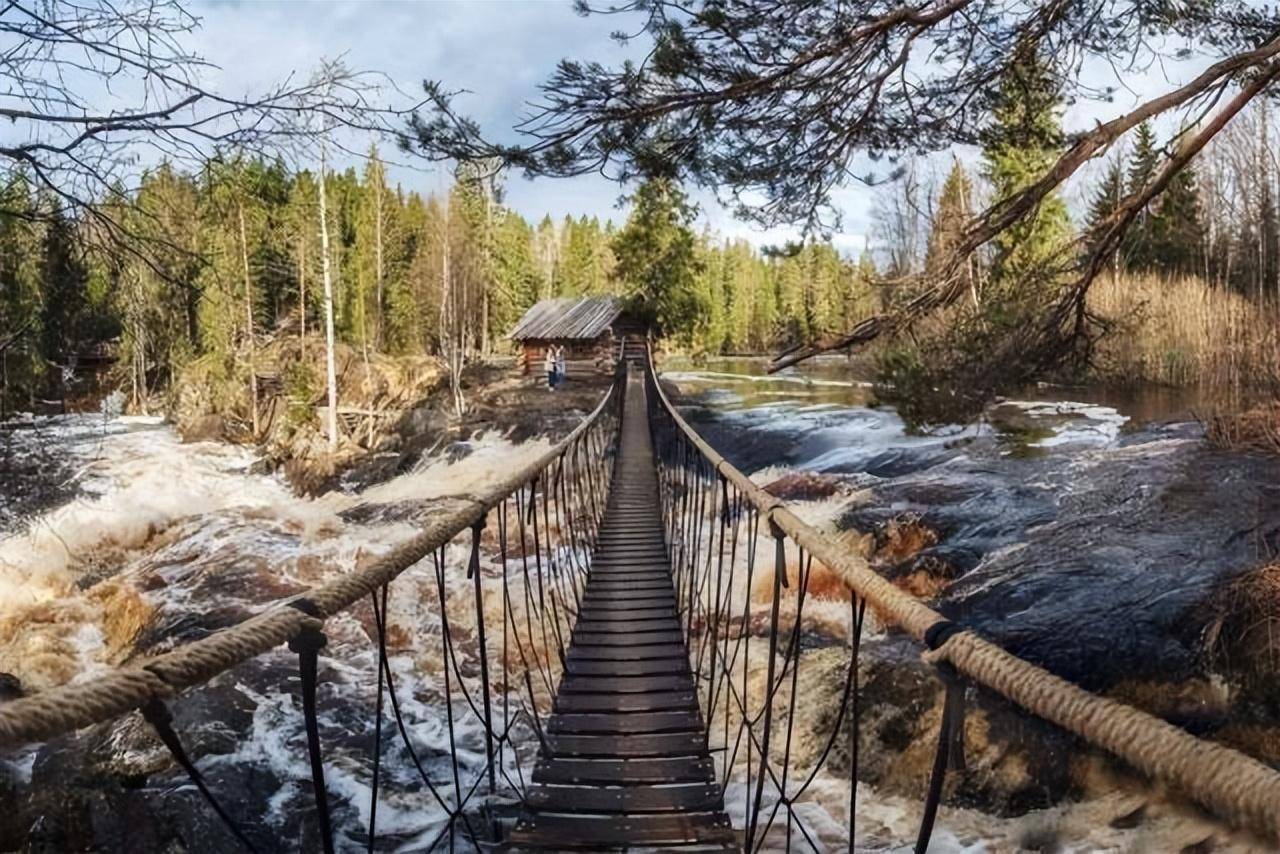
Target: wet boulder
[(1112, 587), (209, 427), (1012, 763), (115, 787), (803, 486)]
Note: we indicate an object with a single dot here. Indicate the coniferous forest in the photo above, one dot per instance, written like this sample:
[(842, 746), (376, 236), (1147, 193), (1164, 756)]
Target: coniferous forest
[(233, 253)]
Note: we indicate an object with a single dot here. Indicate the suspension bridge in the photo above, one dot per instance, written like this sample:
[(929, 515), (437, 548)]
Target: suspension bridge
[(625, 691)]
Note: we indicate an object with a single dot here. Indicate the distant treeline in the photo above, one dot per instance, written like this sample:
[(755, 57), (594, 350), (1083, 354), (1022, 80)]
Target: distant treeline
[(229, 254)]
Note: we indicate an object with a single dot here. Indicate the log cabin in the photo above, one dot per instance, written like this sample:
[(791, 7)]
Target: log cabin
[(591, 330)]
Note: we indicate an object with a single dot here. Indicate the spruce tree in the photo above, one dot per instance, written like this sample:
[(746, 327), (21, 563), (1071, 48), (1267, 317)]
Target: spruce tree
[(1141, 243), (1105, 200), (955, 209), (1107, 195), (1179, 227), (1020, 146), (656, 258)]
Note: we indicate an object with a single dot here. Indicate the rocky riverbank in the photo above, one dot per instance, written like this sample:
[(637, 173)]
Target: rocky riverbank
[(392, 410)]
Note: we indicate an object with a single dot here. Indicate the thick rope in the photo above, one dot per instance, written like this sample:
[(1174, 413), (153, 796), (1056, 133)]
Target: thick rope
[(64, 709), (1228, 783)]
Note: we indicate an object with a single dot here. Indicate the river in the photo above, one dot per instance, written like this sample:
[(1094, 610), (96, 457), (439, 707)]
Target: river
[(1083, 530)]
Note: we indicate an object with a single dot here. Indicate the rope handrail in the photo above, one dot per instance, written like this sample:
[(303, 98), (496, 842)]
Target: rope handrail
[(1238, 788), (69, 707)]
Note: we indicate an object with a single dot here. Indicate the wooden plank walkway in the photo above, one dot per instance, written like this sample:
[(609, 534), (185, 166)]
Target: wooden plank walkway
[(627, 765)]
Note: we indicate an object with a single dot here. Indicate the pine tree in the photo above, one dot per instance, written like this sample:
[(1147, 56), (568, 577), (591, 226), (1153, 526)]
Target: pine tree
[(66, 323), (710, 329), (1021, 146), (546, 252), (302, 236), (518, 282)]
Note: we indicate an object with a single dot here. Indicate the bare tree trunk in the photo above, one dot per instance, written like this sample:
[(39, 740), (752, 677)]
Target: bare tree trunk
[(331, 371), (302, 294), (140, 366), (377, 226), (248, 319), (368, 370), (486, 283), (451, 338)]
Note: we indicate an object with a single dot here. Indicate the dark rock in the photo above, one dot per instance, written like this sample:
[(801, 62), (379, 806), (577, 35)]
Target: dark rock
[(114, 788), (458, 451), (10, 687), (205, 428), (1014, 763), (1111, 588), (803, 486)]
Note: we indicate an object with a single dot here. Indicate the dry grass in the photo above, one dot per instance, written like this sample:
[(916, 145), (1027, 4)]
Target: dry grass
[(1254, 429), (1183, 332), (1243, 636)]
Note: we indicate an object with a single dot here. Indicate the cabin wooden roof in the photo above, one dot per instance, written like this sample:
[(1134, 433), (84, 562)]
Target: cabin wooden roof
[(567, 318)]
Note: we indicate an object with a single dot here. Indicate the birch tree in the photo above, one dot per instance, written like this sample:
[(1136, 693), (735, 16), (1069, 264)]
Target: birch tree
[(330, 366)]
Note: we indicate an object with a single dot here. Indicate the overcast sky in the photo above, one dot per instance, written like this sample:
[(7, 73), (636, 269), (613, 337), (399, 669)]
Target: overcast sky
[(498, 50)]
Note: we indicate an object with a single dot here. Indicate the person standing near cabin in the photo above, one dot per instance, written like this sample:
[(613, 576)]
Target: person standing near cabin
[(560, 376), (549, 364)]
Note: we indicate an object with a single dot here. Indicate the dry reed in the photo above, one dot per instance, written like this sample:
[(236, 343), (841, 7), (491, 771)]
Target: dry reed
[(1183, 332)]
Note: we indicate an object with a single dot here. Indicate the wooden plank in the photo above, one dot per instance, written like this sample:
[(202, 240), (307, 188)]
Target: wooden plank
[(632, 579), (614, 667), (624, 638), (639, 723), (623, 604), (610, 591), (602, 576), (624, 772), (629, 596), (637, 627), (653, 701), (626, 609), (637, 746), (637, 652), (609, 543), (634, 684), (568, 832), (691, 797), (630, 573), (658, 579)]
